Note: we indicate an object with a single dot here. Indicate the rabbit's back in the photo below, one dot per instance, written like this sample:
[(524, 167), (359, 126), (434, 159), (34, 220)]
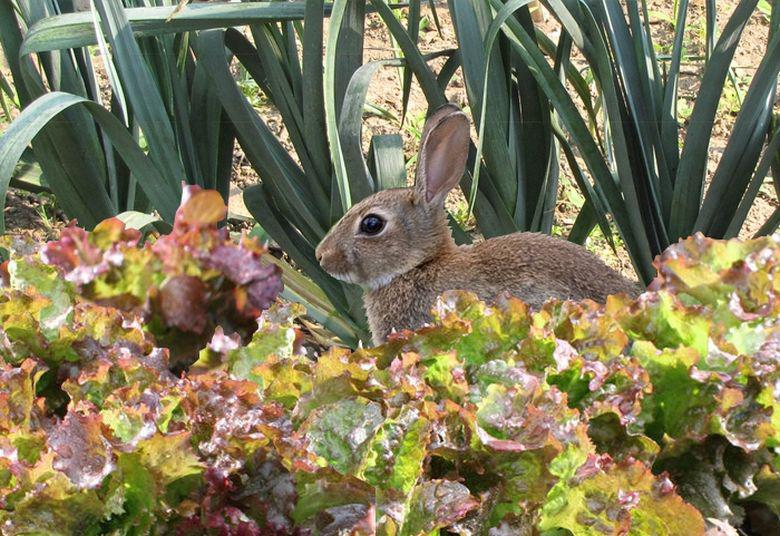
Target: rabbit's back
[(531, 266), (536, 267)]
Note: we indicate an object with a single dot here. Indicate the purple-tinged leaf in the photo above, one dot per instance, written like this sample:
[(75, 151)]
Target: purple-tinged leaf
[(81, 451)]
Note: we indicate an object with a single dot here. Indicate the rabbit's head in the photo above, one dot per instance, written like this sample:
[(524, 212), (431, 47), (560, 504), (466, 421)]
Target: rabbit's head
[(396, 230)]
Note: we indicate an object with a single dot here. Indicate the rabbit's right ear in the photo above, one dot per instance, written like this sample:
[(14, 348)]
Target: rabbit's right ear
[(442, 160)]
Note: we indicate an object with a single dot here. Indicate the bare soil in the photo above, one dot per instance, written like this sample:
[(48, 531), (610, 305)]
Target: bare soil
[(32, 216)]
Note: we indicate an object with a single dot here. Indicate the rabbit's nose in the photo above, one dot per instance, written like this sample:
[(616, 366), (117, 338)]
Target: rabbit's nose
[(318, 254)]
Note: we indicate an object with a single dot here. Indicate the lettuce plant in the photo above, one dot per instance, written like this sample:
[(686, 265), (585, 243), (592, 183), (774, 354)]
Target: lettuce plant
[(658, 415)]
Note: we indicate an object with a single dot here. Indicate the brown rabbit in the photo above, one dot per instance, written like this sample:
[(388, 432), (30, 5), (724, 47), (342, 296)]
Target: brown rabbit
[(398, 246)]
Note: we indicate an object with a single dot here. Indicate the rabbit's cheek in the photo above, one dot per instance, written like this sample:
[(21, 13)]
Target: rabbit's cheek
[(350, 265)]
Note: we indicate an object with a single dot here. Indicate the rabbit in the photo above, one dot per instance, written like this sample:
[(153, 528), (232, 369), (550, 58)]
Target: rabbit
[(398, 246)]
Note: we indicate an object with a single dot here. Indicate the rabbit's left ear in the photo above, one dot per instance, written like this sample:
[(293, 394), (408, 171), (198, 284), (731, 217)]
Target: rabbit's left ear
[(443, 154), (442, 112)]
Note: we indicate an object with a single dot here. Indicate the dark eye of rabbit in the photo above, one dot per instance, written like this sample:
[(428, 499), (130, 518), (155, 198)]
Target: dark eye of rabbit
[(372, 224)]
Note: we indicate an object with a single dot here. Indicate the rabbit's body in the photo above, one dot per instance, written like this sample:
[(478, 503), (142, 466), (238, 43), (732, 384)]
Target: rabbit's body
[(398, 246), (507, 264)]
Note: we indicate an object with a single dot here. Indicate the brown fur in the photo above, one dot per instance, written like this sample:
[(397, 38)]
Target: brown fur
[(414, 259)]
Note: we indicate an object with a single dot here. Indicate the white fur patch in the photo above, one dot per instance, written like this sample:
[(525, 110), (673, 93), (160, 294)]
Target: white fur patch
[(380, 282)]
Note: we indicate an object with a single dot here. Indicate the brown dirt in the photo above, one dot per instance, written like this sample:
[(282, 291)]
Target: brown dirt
[(32, 216)]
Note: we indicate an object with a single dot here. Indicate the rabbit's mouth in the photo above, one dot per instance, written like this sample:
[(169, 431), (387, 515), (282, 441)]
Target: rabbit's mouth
[(347, 277), (372, 284)]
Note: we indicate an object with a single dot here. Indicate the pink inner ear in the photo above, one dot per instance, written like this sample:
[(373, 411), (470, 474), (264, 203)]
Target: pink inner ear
[(444, 158)]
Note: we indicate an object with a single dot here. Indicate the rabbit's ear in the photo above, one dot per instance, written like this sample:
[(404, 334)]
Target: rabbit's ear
[(435, 118), (442, 160)]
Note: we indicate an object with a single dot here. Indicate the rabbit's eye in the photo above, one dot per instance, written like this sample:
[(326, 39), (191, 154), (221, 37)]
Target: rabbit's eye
[(372, 224)]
